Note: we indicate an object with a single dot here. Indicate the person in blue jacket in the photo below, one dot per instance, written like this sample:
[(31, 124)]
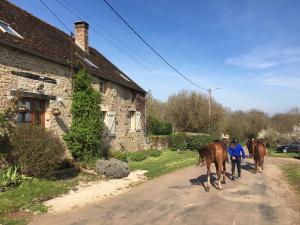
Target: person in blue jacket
[(236, 151)]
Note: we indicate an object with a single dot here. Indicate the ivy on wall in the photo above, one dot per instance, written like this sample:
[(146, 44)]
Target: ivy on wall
[(84, 139)]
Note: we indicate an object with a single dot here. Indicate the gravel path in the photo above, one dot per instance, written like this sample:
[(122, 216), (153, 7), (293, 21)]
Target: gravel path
[(179, 198), (88, 193)]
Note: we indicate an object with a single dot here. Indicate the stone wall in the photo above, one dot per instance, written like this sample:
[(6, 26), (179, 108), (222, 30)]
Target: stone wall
[(14, 60), (117, 98)]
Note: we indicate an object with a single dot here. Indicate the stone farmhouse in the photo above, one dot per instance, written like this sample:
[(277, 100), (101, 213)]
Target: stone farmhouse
[(37, 63)]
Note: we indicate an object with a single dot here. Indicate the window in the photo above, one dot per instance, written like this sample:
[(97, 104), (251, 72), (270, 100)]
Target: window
[(90, 63), (4, 27), (111, 123), (102, 84), (124, 76), (36, 114), (135, 121)]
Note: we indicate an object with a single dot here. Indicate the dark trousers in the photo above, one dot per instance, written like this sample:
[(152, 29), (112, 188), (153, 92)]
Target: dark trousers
[(237, 162)]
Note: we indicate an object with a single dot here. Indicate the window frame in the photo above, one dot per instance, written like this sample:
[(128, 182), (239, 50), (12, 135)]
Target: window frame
[(6, 28), (102, 88), (33, 112)]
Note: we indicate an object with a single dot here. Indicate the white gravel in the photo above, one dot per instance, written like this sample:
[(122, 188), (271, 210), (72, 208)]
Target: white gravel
[(87, 193)]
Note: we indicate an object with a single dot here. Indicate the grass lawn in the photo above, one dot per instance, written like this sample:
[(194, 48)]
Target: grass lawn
[(18, 204), (168, 162), (292, 172), (274, 153)]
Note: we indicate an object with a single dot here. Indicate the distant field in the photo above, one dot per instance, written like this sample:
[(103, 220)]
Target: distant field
[(274, 153)]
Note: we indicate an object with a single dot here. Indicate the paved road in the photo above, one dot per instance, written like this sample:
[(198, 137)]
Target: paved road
[(179, 198)]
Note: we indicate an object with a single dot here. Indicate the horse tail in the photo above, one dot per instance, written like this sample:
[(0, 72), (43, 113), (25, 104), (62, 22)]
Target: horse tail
[(201, 162)]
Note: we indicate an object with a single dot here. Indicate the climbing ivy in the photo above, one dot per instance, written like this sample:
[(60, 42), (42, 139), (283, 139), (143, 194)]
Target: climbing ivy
[(84, 139)]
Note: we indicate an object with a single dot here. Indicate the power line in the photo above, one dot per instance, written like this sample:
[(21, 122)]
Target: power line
[(115, 45), (53, 13), (159, 55), (82, 14)]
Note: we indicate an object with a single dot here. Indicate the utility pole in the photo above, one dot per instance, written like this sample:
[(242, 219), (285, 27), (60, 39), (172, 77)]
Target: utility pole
[(209, 108)]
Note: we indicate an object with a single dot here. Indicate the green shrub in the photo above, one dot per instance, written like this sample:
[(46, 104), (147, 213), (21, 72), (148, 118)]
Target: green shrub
[(112, 168), (179, 142), (157, 127), (197, 142), (37, 152), (85, 137), (11, 178), (120, 155), (138, 156), (153, 152)]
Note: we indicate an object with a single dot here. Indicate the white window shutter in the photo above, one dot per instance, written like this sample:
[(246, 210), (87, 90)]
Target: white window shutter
[(112, 123), (137, 120)]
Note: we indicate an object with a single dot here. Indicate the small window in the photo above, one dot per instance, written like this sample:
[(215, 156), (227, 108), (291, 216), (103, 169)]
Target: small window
[(90, 63), (4, 27), (35, 114), (102, 84), (124, 76)]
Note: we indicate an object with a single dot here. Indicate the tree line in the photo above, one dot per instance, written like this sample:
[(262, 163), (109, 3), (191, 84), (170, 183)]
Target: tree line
[(188, 111)]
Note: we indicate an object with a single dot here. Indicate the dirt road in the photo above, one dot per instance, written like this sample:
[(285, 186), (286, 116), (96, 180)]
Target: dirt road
[(179, 198)]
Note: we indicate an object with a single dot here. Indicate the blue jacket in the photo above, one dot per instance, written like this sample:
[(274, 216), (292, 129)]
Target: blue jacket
[(236, 152)]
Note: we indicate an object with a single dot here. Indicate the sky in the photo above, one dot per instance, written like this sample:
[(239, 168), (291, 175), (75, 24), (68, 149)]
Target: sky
[(247, 52)]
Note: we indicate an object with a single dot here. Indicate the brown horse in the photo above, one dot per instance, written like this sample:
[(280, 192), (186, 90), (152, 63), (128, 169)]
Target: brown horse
[(249, 144), (215, 152), (259, 151)]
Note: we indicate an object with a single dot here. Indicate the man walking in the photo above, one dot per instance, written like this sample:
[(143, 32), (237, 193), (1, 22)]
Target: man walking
[(236, 151)]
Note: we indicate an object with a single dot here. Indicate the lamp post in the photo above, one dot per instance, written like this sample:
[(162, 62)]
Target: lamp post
[(209, 105)]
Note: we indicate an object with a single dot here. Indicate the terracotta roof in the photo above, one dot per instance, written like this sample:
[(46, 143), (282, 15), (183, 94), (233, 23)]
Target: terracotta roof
[(46, 40)]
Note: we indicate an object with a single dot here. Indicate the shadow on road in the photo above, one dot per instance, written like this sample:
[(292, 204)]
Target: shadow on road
[(202, 180), (249, 167)]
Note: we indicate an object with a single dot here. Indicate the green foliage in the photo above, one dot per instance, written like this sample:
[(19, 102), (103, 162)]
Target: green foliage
[(112, 168), (292, 172), (120, 155), (138, 156), (10, 178), (196, 142), (157, 127), (29, 196), (37, 151), (169, 161), (179, 142), (153, 152), (85, 137)]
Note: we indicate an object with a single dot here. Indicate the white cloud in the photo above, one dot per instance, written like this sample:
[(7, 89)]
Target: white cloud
[(288, 82), (265, 57)]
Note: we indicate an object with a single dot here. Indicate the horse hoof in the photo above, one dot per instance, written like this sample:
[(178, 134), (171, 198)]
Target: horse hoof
[(220, 188), (223, 182), (207, 189)]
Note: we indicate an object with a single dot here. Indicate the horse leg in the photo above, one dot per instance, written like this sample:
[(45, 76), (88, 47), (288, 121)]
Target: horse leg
[(208, 175), (224, 172), (255, 162), (262, 164), (218, 171)]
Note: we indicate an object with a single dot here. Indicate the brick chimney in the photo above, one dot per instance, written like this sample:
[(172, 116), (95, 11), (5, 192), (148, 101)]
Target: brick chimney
[(82, 35)]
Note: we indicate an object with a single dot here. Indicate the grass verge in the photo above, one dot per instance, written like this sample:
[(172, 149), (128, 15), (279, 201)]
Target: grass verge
[(292, 172), (274, 153), (169, 161), (18, 204)]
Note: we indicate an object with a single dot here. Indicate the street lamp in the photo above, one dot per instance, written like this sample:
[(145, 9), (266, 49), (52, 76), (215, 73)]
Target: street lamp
[(209, 105)]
